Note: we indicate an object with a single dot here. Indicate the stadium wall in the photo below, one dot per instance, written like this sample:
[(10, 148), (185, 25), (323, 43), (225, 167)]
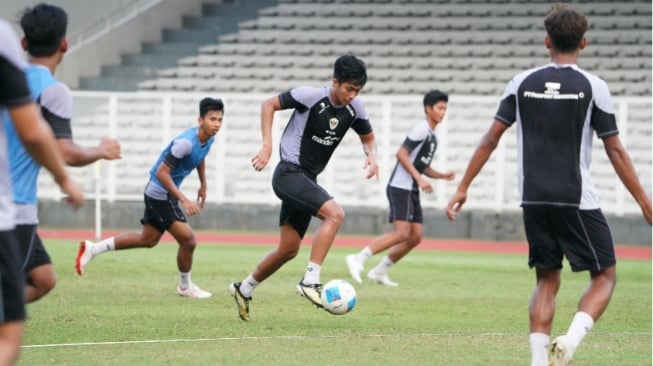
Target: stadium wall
[(92, 20), (629, 229)]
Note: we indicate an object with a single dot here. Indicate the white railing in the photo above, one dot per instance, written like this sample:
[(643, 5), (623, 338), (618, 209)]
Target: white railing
[(145, 122)]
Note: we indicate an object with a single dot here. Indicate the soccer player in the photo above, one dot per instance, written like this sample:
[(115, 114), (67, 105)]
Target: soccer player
[(45, 28), (320, 119), (556, 108), (16, 102), (184, 153), (413, 163)]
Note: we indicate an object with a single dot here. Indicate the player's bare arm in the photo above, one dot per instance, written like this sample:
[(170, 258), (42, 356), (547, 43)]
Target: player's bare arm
[(76, 155), (163, 175), (481, 155), (623, 166), (403, 157), (201, 192), (268, 107), (432, 173), (369, 147)]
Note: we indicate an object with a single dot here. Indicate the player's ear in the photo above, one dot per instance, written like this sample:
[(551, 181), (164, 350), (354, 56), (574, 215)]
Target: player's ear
[(547, 42), (23, 42), (583, 43), (63, 47)]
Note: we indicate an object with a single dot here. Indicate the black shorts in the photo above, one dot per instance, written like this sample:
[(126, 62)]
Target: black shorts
[(301, 196), (32, 249), (583, 236), (12, 280), (160, 214), (404, 205)]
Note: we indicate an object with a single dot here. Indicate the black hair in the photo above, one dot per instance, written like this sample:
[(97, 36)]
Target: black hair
[(44, 27), (351, 69), (210, 104), (434, 96), (565, 27)]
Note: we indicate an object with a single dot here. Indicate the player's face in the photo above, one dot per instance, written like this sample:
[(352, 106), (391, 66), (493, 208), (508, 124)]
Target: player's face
[(343, 93), (436, 111), (211, 122)]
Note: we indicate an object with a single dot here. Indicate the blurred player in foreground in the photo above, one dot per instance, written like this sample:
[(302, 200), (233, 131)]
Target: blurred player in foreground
[(413, 163), (45, 29), (185, 153), (320, 119), (556, 108), (16, 103)]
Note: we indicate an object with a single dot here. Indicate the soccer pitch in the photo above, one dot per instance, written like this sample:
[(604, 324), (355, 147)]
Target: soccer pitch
[(450, 308)]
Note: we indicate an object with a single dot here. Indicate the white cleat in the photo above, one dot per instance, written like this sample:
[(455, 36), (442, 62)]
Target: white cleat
[(84, 256), (560, 353), (381, 278), (193, 291), (355, 267)]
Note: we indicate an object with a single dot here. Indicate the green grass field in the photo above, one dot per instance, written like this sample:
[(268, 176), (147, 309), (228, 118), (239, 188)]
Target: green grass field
[(450, 308)]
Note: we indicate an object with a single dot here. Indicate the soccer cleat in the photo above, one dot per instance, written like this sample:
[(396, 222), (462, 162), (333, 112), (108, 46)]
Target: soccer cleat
[(193, 291), (241, 301), (355, 267), (560, 353), (312, 292), (84, 256), (381, 278)]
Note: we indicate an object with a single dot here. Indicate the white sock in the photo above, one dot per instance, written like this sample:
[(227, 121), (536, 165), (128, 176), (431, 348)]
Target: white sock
[(364, 255), (248, 285), (383, 266), (539, 349), (579, 328), (312, 275), (184, 279), (103, 246)]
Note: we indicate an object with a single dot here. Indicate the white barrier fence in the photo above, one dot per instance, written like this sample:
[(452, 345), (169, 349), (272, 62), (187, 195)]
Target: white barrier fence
[(145, 122)]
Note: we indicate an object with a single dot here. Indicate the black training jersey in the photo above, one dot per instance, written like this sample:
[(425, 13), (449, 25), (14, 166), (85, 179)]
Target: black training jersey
[(13, 92), (556, 108), (317, 126), (421, 144)]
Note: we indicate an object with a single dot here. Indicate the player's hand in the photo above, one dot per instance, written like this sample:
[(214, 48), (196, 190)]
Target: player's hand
[(372, 168), (110, 148), (261, 159), (201, 196), (450, 175), (190, 207), (456, 204), (424, 185), (73, 191)]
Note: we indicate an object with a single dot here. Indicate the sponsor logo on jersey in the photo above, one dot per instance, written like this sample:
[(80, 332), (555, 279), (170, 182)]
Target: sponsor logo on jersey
[(552, 91), (326, 141), (323, 107)]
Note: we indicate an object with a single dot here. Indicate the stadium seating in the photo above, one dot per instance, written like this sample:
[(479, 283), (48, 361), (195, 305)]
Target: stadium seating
[(412, 36)]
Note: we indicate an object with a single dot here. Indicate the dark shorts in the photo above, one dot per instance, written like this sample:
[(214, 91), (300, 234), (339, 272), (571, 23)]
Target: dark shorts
[(583, 236), (160, 214), (32, 249), (301, 196), (12, 282), (404, 205)]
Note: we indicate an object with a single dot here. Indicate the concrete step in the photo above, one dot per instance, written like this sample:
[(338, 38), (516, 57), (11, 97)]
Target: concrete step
[(207, 36), (107, 83), (179, 49)]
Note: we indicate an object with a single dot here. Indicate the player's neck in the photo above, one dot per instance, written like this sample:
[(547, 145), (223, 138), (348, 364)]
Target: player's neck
[(50, 62), (568, 58)]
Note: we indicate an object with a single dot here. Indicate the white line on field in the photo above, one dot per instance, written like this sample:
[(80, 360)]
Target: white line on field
[(296, 337)]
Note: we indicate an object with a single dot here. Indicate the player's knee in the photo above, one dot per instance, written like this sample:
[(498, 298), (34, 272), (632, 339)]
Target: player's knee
[(337, 215), (414, 240), (288, 254)]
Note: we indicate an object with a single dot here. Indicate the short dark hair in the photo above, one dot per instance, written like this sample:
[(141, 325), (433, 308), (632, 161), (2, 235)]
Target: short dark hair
[(435, 96), (210, 104), (349, 68), (565, 27), (44, 27)]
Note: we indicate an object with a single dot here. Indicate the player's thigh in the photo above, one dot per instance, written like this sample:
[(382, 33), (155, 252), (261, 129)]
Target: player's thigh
[(404, 205), (544, 250), (586, 239), (298, 188), (12, 280)]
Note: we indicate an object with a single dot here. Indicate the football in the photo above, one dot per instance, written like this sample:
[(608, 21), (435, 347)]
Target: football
[(338, 297)]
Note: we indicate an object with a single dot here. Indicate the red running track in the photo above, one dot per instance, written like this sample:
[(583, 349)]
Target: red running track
[(623, 251)]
